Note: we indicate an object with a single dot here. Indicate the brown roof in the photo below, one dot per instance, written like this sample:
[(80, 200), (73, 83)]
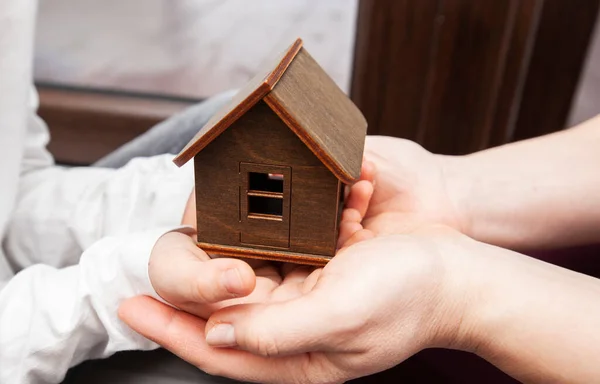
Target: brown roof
[(299, 91)]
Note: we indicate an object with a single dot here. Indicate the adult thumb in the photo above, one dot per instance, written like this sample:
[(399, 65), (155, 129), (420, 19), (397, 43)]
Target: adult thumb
[(306, 324)]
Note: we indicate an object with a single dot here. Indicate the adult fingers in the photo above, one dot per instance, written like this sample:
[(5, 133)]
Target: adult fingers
[(359, 236), (368, 170), (298, 274), (313, 322), (189, 214), (183, 334), (355, 209), (292, 285), (360, 195), (347, 230)]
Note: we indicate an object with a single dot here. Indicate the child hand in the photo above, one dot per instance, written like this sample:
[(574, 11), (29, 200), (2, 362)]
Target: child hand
[(185, 276)]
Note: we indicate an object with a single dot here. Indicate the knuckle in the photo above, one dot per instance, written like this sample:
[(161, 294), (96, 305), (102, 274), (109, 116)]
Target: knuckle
[(208, 289), (262, 344), (267, 347), (346, 320), (173, 340), (203, 293)]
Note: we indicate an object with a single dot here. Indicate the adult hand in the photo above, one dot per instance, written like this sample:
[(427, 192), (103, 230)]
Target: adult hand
[(339, 339), (412, 188), (352, 318), (375, 304)]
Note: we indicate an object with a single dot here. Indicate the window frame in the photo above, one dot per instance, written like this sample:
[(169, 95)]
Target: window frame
[(246, 192)]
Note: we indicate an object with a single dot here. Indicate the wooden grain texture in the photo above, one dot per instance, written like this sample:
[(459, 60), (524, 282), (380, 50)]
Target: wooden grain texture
[(339, 208), (521, 40), (394, 49), (265, 254), (86, 125), (465, 76), (260, 137), (311, 105), (462, 75), (559, 53), (314, 219), (217, 196), (430, 71), (254, 91), (322, 116)]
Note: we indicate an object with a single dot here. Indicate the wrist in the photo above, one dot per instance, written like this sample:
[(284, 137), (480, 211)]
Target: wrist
[(459, 190), (486, 278), (456, 320)]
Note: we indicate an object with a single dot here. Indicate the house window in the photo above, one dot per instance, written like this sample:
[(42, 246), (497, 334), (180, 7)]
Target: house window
[(265, 195), (271, 182)]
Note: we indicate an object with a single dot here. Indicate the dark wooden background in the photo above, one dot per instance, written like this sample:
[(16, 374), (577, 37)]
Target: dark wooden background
[(462, 75)]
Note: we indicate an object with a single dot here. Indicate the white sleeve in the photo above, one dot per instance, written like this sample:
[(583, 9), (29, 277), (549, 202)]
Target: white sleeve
[(59, 212), (52, 319), (62, 211)]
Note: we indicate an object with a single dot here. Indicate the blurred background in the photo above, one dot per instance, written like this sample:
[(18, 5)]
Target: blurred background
[(455, 75), (190, 48)]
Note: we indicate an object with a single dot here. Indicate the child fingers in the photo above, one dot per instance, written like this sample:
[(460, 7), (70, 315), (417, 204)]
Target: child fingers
[(368, 170), (189, 280), (351, 215)]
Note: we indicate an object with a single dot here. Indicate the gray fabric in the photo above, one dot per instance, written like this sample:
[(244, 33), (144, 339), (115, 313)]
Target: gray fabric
[(155, 367), (169, 136)]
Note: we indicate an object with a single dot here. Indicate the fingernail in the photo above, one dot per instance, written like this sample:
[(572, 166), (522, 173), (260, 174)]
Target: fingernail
[(232, 281), (221, 335)]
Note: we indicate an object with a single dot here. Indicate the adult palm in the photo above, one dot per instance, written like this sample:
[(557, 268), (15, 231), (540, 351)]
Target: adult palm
[(375, 304), (412, 188)]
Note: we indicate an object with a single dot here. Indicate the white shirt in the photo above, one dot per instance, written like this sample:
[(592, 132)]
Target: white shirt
[(76, 242)]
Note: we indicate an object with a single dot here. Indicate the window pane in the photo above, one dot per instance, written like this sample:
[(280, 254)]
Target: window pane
[(265, 206), (268, 182)]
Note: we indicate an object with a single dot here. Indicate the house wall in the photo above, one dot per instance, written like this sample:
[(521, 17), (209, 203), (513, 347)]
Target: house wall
[(261, 137)]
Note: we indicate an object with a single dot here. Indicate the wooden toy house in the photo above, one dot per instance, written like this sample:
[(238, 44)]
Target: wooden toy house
[(271, 166)]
